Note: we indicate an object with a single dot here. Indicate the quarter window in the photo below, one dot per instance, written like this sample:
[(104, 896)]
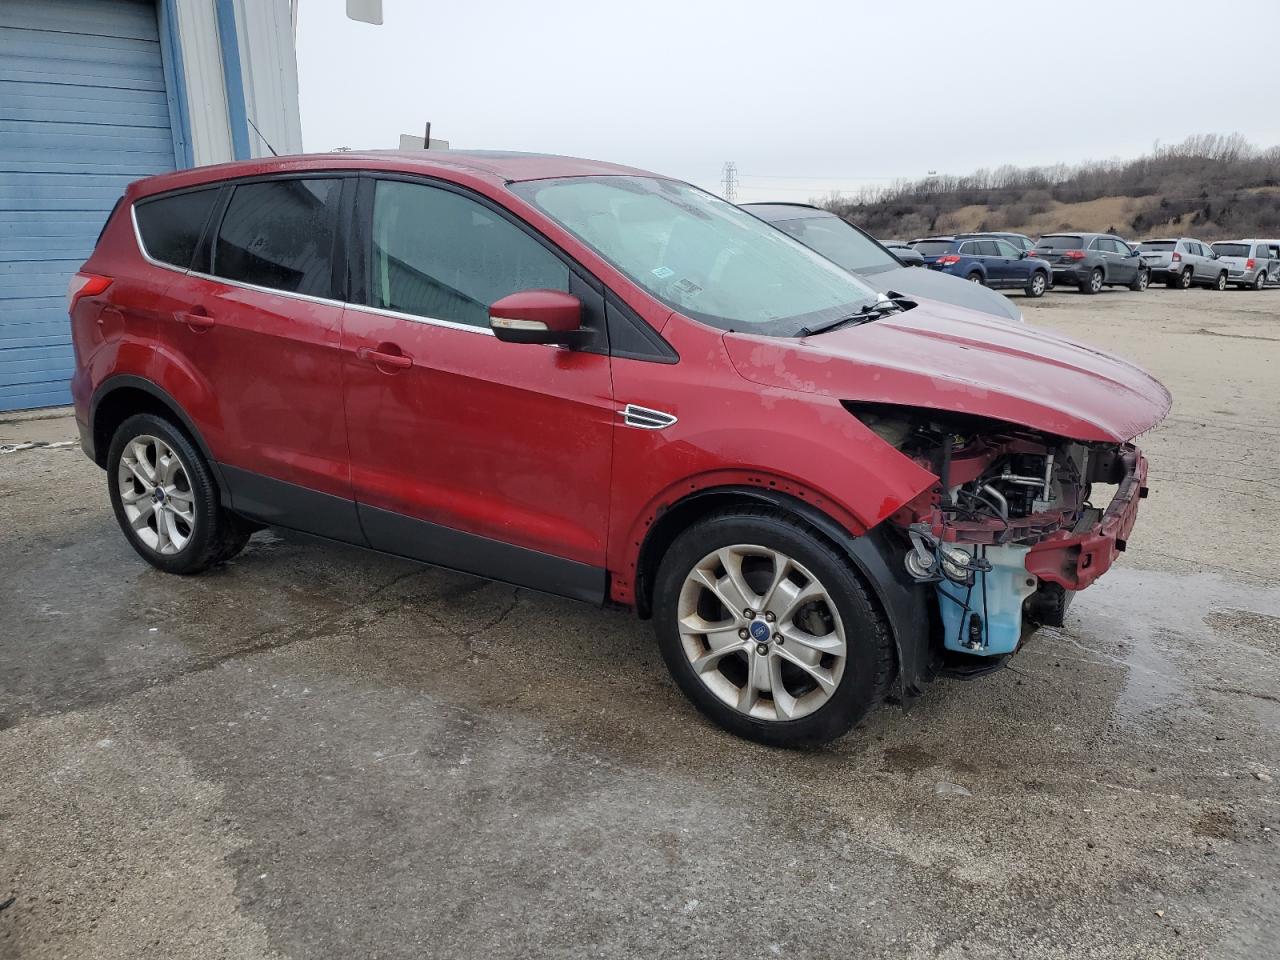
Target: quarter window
[(171, 226), (440, 255), (279, 234)]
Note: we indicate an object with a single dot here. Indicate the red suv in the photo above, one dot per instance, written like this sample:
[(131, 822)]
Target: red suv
[(604, 384)]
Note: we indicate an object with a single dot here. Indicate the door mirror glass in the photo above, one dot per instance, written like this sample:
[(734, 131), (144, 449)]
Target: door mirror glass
[(538, 316)]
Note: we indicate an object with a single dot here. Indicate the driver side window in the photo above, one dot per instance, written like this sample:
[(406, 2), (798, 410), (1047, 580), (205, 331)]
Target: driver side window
[(442, 256)]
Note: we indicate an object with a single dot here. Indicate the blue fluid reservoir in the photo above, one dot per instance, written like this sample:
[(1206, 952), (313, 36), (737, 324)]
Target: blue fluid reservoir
[(996, 598)]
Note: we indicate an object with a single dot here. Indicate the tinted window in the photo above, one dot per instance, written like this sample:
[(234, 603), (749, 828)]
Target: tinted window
[(1157, 246), (838, 242), (932, 248), (441, 255), (1231, 249), (279, 234), (171, 226), (1060, 243)]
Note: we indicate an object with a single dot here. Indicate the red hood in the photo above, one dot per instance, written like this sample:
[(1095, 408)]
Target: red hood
[(948, 358)]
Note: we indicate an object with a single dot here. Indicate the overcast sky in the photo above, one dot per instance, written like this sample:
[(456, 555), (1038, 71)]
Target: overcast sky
[(805, 97)]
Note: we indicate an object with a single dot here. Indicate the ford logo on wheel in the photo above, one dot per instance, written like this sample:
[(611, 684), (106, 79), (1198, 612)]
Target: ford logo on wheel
[(759, 631)]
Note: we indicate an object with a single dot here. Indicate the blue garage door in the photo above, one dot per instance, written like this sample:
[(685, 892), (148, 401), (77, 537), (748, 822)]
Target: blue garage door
[(83, 111)]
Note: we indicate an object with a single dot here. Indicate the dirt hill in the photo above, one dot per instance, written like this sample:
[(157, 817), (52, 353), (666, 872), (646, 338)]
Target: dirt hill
[(1212, 187)]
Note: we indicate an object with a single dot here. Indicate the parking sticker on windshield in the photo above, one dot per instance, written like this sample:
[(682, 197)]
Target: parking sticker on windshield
[(662, 272)]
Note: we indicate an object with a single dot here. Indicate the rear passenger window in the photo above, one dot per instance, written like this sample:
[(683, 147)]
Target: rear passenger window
[(440, 255), (279, 234), (171, 226)]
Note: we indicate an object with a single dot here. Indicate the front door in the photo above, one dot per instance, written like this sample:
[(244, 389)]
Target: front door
[(483, 456)]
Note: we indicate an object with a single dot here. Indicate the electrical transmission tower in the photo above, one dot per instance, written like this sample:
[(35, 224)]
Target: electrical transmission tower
[(729, 181)]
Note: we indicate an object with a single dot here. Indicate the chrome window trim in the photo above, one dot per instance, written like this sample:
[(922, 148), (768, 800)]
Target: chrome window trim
[(305, 297)]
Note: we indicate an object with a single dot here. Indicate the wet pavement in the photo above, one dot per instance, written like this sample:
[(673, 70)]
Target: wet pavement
[(320, 752)]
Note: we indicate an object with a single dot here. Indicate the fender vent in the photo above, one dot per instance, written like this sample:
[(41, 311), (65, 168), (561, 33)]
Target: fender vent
[(646, 419)]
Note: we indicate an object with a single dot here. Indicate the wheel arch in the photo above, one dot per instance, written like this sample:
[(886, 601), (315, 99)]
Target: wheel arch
[(901, 600), (122, 396)]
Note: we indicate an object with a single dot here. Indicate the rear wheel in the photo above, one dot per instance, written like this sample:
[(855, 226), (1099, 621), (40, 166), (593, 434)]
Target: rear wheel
[(1221, 282), (1184, 280), (165, 500), (1141, 281), (1260, 280), (974, 277), (1094, 283), (1037, 285), (768, 630)]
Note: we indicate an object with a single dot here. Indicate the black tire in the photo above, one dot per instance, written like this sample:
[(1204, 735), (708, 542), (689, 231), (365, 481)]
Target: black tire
[(1094, 283), (1037, 284), (1184, 280), (1259, 281), (869, 659), (1141, 281), (1221, 282), (975, 277), (217, 535)]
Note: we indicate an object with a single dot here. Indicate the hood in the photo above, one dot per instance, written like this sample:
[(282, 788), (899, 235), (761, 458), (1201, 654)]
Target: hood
[(917, 282), (947, 358)]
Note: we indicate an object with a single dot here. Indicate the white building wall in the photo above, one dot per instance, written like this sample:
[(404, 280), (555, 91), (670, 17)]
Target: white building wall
[(206, 90), (270, 69)]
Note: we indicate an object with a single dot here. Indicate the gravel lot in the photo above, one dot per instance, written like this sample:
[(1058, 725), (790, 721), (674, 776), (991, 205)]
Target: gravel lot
[(320, 752)]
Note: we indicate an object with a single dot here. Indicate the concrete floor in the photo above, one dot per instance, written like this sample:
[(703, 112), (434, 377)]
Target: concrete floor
[(320, 752)]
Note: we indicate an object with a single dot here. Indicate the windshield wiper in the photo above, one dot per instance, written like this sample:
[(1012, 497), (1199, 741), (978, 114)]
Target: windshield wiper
[(872, 311)]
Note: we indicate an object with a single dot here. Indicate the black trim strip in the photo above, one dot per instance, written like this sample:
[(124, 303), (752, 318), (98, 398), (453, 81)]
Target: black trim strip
[(481, 556), (279, 503)]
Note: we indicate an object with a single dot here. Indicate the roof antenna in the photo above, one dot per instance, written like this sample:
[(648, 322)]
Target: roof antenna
[(259, 133)]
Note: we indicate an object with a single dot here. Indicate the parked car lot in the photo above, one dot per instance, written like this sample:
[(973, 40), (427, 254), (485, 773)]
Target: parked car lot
[(321, 751)]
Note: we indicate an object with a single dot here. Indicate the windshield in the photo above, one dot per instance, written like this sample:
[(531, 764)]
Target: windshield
[(1231, 249), (699, 254), (1060, 243), (932, 248), (838, 242), (1154, 246)]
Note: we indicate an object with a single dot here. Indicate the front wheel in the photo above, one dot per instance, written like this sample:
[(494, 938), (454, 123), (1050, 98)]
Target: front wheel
[(768, 629), (1260, 280), (165, 499), (1094, 283), (1221, 282), (1141, 281), (1037, 285)]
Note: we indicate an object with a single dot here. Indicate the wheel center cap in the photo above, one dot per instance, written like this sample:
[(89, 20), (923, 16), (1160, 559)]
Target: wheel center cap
[(157, 495), (760, 631)]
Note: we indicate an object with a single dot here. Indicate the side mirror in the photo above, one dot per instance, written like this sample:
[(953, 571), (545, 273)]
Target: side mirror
[(1024, 254), (538, 316)]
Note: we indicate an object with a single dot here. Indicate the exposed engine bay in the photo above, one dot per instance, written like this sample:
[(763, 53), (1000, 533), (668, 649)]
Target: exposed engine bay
[(1010, 531)]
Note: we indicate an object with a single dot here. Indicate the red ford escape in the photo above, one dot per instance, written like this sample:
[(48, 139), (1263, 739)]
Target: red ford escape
[(600, 383)]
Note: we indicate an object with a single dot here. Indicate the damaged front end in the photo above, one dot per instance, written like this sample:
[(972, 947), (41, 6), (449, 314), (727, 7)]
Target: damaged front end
[(1011, 530)]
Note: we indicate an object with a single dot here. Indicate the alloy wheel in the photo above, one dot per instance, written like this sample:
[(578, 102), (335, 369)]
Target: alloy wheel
[(1144, 279), (1095, 281), (761, 632), (155, 492), (1037, 285)]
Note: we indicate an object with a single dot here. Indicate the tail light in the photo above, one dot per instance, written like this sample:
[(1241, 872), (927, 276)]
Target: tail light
[(1074, 254), (1177, 257), (85, 285), (1250, 264), (948, 260)]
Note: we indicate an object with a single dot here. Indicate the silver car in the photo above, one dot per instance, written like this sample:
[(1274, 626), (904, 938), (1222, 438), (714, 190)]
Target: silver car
[(1248, 261), (1273, 258), (1183, 262)]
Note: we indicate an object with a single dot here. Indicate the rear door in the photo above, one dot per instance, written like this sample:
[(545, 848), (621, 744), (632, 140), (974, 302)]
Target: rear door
[(471, 453), (261, 329)]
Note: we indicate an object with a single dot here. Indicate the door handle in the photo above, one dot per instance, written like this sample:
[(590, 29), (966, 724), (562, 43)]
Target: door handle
[(196, 321), (381, 358)]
